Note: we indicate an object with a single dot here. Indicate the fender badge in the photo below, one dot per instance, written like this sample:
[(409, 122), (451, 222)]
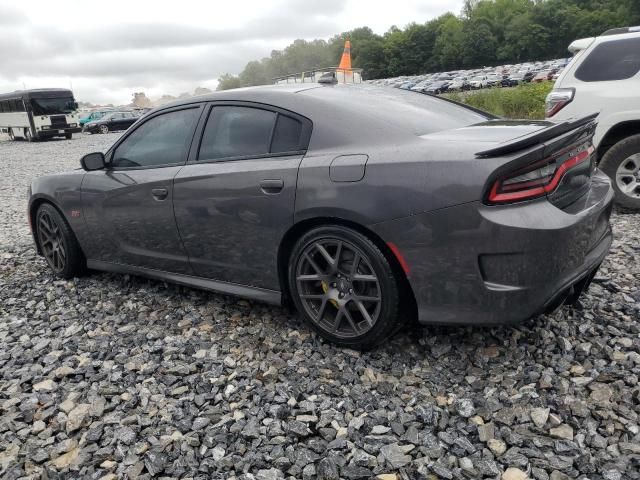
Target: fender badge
[(75, 213)]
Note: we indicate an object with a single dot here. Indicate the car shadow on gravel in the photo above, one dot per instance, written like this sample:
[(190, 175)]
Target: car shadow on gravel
[(260, 327), (414, 342)]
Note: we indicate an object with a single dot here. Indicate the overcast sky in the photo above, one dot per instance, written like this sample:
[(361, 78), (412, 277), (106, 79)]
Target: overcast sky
[(107, 50)]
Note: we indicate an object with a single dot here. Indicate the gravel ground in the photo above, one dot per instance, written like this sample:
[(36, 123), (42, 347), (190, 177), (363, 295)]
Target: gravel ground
[(113, 376)]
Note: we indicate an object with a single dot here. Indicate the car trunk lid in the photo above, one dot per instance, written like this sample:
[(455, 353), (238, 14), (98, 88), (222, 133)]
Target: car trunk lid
[(518, 155)]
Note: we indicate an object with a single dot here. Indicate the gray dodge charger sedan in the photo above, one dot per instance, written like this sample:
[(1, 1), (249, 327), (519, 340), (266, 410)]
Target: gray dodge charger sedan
[(364, 207)]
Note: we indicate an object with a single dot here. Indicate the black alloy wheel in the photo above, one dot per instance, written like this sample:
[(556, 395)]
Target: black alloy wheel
[(344, 286), (57, 243)]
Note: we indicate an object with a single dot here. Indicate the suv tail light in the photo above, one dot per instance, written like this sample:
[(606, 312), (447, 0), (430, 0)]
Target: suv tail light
[(535, 180), (557, 100)]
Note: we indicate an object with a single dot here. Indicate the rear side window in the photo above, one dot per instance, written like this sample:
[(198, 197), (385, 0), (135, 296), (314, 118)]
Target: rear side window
[(616, 60), (161, 140), (238, 131), (287, 135)]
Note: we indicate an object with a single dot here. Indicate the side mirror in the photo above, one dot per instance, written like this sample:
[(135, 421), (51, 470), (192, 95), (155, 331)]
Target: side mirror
[(93, 161)]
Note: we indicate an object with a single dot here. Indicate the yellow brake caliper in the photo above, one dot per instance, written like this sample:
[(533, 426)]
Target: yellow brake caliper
[(325, 289)]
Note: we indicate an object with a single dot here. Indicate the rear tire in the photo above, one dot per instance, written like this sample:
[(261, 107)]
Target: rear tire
[(58, 243), (12, 136), (27, 135), (68, 135), (621, 163), (344, 287)]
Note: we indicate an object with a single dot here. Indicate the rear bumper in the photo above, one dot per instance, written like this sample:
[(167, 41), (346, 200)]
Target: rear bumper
[(475, 264)]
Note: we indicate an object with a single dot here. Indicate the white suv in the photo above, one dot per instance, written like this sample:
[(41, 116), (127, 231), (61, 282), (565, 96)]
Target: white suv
[(604, 77)]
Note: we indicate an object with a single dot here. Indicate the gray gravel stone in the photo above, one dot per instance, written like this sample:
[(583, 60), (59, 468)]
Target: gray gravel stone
[(114, 376)]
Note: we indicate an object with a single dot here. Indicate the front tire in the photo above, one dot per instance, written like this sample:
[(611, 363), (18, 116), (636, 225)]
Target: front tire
[(12, 136), (103, 129), (68, 135), (621, 163), (58, 243), (344, 287), (27, 135)]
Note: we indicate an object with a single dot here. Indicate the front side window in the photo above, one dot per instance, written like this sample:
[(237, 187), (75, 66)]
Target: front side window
[(161, 140), (615, 60)]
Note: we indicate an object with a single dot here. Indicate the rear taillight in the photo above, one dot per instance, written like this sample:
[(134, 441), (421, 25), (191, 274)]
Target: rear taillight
[(535, 180), (557, 100)]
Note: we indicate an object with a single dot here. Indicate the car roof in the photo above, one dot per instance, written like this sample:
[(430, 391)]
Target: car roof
[(345, 114), (52, 92), (609, 35)]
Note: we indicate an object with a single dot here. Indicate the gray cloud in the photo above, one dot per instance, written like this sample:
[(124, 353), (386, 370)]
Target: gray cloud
[(11, 16), (114, 57)]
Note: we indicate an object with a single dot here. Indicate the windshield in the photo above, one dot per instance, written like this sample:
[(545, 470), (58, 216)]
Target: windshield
[(53, 106)]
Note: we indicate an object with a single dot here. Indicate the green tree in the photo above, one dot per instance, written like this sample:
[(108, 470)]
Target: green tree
[(254, 73), (227, 81), (487, 32), (478, 45), (448, 45)]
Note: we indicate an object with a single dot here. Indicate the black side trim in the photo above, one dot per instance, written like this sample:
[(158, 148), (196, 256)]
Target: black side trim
[(539, 136), (273, 297)]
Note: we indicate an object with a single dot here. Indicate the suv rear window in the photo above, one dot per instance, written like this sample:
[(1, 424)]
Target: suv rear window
[(617, 60)]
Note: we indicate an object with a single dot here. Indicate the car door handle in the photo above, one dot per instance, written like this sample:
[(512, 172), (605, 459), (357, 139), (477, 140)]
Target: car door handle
[(272, 186), (159, 193)]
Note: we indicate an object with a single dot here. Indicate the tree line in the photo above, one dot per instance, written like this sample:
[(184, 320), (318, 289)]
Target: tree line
[(485, 33)]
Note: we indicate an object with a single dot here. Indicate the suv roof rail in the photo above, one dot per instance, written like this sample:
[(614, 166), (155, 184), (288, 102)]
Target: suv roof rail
[(618, 31)]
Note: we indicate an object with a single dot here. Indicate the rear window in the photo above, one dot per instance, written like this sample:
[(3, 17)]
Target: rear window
[(415, 112), (617, 60)]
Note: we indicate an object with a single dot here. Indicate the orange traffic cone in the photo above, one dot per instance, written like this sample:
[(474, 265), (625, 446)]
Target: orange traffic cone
[(345, 61)]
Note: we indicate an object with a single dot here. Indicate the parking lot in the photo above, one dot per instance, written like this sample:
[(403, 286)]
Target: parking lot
[(108, 376)]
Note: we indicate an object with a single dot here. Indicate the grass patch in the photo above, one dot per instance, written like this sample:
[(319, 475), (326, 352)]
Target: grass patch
[(523, 101)]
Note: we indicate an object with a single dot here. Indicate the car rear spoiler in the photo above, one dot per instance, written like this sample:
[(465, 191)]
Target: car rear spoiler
[(540, 136)]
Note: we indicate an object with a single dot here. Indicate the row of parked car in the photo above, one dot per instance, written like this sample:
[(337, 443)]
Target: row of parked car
[(105, 121), (458, 80)]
